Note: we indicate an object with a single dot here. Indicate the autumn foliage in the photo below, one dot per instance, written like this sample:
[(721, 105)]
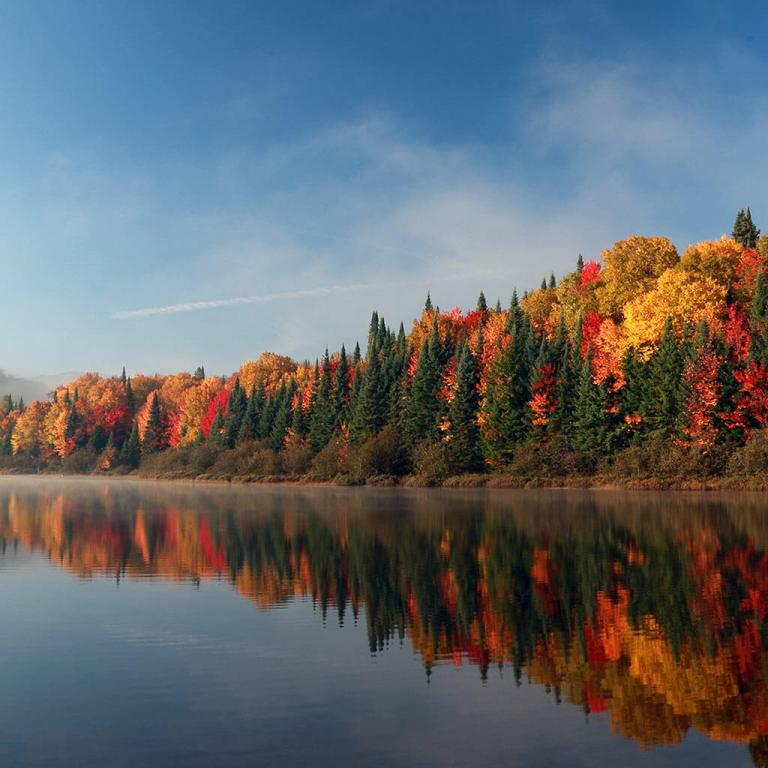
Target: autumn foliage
[(677, 349)]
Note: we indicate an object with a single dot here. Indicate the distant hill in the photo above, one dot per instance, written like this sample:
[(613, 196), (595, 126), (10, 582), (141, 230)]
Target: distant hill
[(34, 387)]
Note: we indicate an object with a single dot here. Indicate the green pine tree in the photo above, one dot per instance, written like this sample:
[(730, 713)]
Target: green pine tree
[(464, 446), (744, 230), (153, 432), (591, 420), (131, 454), (663, 394)]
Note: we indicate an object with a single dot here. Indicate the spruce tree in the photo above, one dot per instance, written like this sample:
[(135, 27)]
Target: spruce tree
[(237, 405), (663, 395), (283, 416), (744, 230), (464, 446), (482, 305), (508, 394), (423, 408), (428, 303), (341, 390), (130, 454), (323, 420), (591, 421), (216, 435), (758, 315), (153, 432), (130, 399)]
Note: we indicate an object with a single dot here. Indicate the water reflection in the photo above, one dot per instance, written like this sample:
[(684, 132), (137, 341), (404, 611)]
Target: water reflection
[(652, 609)]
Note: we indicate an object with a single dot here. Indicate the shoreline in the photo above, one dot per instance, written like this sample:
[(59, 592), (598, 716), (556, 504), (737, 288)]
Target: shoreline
[(459, 482)]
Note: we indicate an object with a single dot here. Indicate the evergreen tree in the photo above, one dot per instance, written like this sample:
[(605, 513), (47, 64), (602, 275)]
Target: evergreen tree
[(579, 265), (123, 378), (552, 281), (591, 421), (423, 408), (758, 315), (482, 305), (130, 399), (131, 454), (428, 303), (663, 395), (153, 432), (508, 394), (96, 442), (236, 408), (199, 373), (323, 421), (744, 230), (249, 426), (216, 435), (283, 415), (464, 451), (6, 447), (341, 389)]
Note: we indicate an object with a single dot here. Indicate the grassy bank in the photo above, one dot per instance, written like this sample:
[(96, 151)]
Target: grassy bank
[(387, 461)]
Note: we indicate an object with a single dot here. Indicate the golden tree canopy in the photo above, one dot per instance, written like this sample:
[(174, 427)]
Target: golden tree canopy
[(686, 297), (717, 259), (631, 268)]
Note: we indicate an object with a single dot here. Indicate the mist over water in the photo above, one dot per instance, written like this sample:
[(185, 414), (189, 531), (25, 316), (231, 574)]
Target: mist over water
[(158, 624)]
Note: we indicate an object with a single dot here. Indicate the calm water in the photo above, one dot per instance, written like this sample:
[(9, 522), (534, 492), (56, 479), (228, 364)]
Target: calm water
[(147, 624)]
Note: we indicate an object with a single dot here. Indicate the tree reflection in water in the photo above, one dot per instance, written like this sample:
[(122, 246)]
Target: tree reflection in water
[(652, 608)]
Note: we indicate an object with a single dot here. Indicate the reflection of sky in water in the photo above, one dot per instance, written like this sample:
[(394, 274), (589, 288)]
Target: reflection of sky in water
[(183, 668)]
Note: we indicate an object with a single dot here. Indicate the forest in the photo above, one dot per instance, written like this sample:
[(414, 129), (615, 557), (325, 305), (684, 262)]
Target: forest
[(646, 368)]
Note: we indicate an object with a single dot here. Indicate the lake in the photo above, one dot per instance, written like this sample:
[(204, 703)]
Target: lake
[(151, 624)]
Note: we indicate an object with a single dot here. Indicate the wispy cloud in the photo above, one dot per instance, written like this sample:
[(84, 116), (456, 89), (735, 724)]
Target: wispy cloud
[(327, 290)]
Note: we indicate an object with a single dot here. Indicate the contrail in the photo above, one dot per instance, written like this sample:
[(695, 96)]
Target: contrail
[(261, 298)]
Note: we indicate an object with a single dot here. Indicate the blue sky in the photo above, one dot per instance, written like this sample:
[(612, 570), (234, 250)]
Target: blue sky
[(331, 158)]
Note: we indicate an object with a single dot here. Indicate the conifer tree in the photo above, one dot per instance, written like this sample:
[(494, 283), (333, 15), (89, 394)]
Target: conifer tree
[(283, 416), (662, 396), (130, 453), (236, 408), (507, 410), (482, 305), (591, 421), (96, 441), (422, 410), (341, 389), (129, 397), (428, 303), (744, 230), (579, 265), (758, 311), (464, 447), (216, 435), (123, 378), (323, 420), (153, 432)]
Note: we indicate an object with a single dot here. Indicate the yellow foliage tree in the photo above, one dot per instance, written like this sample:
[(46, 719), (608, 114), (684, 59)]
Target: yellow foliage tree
[(272, 368), (716, 259), (686, 297), (631, 268), (28, 435), (542, 306)]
